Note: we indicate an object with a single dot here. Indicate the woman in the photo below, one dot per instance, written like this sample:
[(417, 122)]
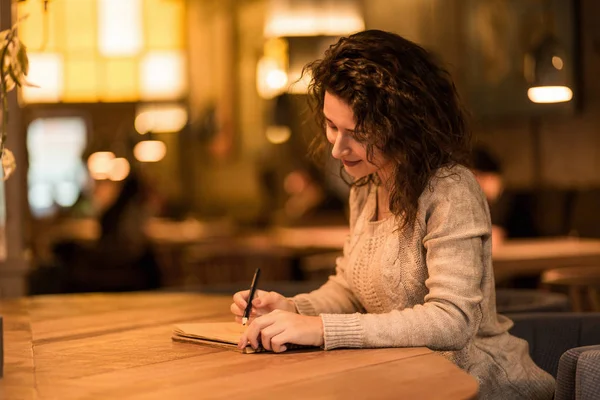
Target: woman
[(416, 268)]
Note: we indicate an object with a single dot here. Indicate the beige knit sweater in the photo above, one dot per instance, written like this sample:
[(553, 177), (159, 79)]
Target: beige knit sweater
[(432, 285)]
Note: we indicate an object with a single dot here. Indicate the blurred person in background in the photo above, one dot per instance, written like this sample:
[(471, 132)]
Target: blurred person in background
[(121, 259), (123, 243), (488, 172), (310, 201)]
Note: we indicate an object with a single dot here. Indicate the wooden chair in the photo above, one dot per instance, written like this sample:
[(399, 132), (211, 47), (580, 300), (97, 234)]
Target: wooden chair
[(581, 283)]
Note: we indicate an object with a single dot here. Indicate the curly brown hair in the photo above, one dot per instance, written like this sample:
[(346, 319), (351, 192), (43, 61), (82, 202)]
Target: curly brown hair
[(405, 104)]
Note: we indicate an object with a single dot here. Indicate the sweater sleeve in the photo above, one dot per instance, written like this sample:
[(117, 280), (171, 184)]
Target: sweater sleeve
[(336, 296), (456, 222)]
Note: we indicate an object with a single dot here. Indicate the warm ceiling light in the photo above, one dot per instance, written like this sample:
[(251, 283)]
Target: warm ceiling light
[(278, 134), (162, 75), (314, 25), (100, 164), (313, 18), (45, 72), (557, 62), (160, 118), (120, 27), (300, 81), (150, 151), (119, 169), (276, 79), (271, 79), (548, 73), (550, 94)]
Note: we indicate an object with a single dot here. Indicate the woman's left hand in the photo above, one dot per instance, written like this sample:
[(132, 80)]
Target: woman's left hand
[(280, 327)]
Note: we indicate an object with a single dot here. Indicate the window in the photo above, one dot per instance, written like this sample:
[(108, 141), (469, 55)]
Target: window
[(56, 173), (104, 50)]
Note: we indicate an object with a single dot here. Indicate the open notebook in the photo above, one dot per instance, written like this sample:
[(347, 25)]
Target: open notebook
[(224, 335)]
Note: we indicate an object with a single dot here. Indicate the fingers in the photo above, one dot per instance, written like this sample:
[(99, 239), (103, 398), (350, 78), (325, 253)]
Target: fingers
[(236, 310), (243, 342), (267, 300), (238, 307), (270, 331), (267, 334), (240, 299), (278, 342), (253, 332)]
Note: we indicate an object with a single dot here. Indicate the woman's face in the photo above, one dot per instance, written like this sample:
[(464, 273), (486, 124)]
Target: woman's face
[(340, 124)]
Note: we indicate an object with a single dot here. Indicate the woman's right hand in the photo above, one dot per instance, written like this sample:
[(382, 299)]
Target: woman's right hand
[(263, 303)]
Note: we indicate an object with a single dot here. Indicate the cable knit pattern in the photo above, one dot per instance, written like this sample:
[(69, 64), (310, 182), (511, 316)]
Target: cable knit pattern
[(431, 285)]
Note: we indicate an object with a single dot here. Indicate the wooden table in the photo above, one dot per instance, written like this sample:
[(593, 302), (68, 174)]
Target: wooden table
[(101, 346), (524, 257)]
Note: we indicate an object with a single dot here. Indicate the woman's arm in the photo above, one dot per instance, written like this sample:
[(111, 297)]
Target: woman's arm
[(336, 296), (457, 222)]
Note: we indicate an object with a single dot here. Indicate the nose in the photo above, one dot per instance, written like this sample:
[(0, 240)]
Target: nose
[(340, 147)]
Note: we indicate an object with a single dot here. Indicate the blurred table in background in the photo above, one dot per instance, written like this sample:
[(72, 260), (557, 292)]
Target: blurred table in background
[(581, 283), (193, 252), (298, 253), (158, 230), (170, 239), (317, 237), (515, 258), (527, 257), (283, 254)]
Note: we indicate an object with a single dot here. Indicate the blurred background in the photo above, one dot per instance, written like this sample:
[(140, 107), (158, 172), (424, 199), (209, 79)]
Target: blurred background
[(165, 145)]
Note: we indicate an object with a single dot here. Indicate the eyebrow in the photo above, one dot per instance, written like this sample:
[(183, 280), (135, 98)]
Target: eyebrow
[(331, 122)]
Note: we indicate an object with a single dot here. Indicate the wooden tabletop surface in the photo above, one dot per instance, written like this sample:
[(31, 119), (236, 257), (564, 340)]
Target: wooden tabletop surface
[(105, 346)]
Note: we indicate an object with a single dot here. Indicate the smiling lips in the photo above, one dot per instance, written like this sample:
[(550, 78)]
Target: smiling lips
[(348, 163)]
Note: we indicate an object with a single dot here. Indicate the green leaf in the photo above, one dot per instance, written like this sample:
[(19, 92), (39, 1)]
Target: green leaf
[(22, 58), (14, 76)]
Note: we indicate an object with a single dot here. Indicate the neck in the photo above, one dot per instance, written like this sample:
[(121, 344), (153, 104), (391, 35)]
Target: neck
[(383, 202), (383, 193)]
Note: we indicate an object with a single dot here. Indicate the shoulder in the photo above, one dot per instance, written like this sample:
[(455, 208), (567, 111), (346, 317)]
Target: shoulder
[(454, 188), (455, 179)]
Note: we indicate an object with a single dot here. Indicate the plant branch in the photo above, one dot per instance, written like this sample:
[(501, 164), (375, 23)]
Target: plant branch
[(9, 38)]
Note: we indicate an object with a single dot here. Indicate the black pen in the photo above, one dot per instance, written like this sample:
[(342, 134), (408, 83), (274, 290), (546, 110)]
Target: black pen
[(250, 296)]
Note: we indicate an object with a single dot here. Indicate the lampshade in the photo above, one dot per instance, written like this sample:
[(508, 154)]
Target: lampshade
[(547, 70), (313, 18)]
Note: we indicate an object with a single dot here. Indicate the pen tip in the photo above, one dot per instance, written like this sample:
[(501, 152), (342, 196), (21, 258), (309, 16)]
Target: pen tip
[(244, 321)]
